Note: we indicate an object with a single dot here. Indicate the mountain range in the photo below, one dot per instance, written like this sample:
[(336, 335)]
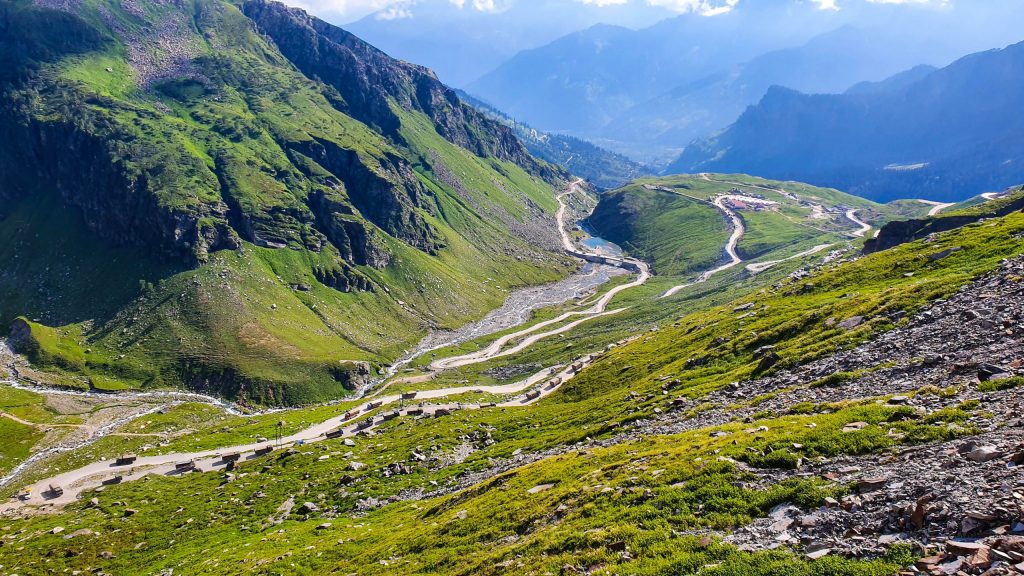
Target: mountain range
[(462, 41), (241, 198), (647, 93), (943, 134)]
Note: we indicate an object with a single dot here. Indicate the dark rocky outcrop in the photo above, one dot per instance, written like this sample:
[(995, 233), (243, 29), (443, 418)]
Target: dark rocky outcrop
[(351, 235), (116, 200), (369, 80), (388, 196)]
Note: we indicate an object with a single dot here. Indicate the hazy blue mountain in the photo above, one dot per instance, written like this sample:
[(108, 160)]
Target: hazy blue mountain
[(647, 93), (581, 82), (463, 43), (829, 63), (602, 168), (894, 82), (949, 135)]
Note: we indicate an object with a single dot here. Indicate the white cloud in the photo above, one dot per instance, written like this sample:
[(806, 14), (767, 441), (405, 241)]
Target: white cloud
[(394, 13), (834, 4), (350, 10), (705, 7), (603, 3), (347, 10)]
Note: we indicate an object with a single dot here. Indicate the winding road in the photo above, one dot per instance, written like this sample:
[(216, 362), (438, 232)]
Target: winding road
[(369, 415), (72, 483), (352, 423), (600, 308), (851, 215), (730, 247)]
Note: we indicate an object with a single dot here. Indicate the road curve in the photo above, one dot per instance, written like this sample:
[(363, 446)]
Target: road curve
[(599, 308), (851, 215), (936, 206), (730, 247)]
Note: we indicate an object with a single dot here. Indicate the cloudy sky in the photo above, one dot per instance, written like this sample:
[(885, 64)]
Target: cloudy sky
[(342, 11)]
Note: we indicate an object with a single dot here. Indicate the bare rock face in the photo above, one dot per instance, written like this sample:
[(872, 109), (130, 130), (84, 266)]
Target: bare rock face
[(368, 79), (117, 204), (21, 332)]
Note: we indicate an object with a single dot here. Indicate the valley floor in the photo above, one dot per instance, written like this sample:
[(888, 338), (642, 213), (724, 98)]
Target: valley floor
[(812, 456)]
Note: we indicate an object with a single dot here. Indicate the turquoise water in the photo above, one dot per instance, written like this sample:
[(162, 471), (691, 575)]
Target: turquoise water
[(599, 244)]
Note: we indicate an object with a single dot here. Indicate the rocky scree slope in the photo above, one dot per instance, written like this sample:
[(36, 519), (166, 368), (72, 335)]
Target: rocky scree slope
[(179, 133), (957, 363)]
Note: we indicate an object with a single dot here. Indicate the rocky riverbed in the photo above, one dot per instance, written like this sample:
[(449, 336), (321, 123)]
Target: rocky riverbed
[(516, 310)]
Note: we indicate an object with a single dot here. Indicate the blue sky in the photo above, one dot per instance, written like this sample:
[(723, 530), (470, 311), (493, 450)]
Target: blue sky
[(343, 11)]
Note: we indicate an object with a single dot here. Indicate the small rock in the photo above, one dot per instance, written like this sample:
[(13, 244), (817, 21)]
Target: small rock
[(992, 372), (851, 323), (872, 483), (854, 426), (984, 454), (819, 553)]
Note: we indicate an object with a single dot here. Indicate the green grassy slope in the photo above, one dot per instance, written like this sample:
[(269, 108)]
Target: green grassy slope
[(654, 494), (678, 234), (219, 220), (663, 220)]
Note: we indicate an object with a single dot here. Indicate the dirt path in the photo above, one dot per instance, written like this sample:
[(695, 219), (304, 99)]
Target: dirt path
[(762, 266)]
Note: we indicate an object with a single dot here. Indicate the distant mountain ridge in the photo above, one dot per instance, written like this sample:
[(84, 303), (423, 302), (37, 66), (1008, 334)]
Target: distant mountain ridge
[(648, 93), (829, 63), (948, 135), (464, 41), (602, 168)]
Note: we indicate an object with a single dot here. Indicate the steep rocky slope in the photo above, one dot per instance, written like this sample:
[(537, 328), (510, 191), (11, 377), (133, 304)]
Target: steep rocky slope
[(229, 150)]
